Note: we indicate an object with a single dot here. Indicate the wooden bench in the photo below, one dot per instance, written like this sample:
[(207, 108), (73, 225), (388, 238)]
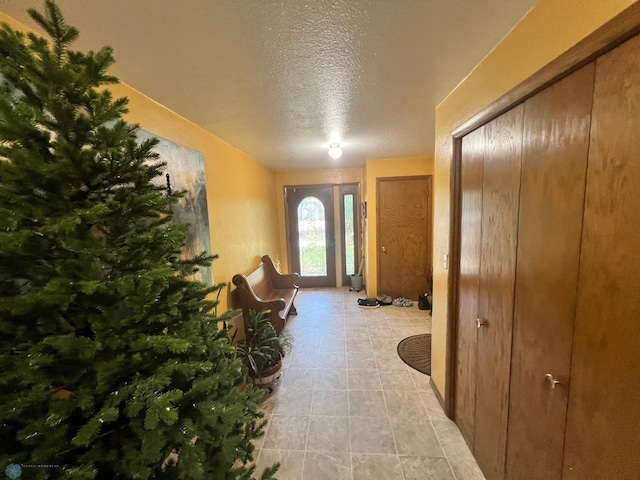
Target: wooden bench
[(266, 288)]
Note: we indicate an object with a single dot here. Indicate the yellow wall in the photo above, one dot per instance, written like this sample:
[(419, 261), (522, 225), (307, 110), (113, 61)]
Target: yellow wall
[(241, 192), (307, 177), (380, 168), (548, 30)]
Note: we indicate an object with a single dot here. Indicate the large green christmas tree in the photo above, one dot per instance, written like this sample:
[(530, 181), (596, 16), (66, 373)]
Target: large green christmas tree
[(111, 361)]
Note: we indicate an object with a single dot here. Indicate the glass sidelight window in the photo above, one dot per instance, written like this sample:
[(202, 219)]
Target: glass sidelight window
[(350, 222), (349, 234)]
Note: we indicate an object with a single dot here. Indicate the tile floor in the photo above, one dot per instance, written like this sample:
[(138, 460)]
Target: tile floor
[(347, 408)]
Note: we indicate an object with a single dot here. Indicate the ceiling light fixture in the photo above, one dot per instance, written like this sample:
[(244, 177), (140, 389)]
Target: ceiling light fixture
[(335, 151)]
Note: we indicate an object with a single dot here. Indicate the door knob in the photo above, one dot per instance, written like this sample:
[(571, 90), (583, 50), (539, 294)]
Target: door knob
[(551, 380), (384, 250), (480, 323)]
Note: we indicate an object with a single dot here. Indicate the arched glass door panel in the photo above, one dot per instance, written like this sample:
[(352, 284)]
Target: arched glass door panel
[(312, 233)]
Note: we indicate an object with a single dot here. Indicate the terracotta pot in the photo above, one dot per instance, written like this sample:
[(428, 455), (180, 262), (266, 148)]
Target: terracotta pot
[(268, 375)]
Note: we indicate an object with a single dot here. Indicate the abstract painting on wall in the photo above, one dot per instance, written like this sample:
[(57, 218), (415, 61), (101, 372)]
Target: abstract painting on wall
[(185, 167)]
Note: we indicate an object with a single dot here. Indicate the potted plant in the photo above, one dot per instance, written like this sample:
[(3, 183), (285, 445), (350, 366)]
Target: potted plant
[(262, 349)]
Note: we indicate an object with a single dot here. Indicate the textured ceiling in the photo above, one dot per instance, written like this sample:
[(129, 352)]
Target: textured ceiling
[(281, 80)]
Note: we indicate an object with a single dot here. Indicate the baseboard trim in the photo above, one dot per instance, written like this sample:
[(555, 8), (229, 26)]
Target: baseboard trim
[(439, 397)]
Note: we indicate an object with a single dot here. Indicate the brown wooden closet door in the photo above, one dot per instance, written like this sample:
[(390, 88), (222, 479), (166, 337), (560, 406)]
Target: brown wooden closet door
[(603, 424), (501, 191), (554, 164), (468, 281), (404, 235)]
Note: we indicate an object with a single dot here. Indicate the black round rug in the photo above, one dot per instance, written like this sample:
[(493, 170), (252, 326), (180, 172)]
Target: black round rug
[(415, 351)]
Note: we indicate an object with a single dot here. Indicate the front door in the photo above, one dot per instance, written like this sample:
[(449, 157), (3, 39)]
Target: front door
[(404, 236), (311, 235)]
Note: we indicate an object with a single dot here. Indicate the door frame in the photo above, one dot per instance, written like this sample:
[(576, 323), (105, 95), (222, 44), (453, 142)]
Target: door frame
[(429, 235), (613, 33), (338, 222)]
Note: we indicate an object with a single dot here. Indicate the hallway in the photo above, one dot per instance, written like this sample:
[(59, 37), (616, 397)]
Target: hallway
[(347, 407)]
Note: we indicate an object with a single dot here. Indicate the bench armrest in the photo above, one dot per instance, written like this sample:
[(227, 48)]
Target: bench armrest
[(280, 280), (249, 299)]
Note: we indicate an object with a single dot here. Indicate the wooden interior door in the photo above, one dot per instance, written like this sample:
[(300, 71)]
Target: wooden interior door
[(603, 424), (500, 198), (312, 235), (468, 281), (404, 235), (554, 165)]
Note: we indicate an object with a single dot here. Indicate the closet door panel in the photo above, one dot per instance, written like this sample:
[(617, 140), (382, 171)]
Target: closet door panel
[(501, 191), (554, 164), (470, 235), (603, 424)]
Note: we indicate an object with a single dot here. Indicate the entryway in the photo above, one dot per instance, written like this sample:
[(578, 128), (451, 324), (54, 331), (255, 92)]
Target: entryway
[(324, 248)]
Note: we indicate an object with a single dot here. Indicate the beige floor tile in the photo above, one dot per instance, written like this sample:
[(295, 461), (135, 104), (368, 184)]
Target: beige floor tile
[(378, 418), (298, 378), (357, 357), (366, 403), (290, 463), (331, 379), (466, 468), (376, 467), (402, 403), (397, 380), (421, 380), (330, 402), (450, 438), (287, 432), (332, 361), (327, 466), (415, 436), (293, 402), (426, 468), (268, 404), (303, 359), (337, 350), (364, 379), (359, 341), (431, 403), (390, 361), (359, 348), (371, 435), (328, 434)]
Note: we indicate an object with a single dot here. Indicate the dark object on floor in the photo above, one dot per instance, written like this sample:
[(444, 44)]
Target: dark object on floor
[(415, 351), (384, 299), (368, 302), (423, 302)]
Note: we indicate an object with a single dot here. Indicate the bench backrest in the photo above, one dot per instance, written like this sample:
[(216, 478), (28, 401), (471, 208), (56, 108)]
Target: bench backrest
[(260, 281)]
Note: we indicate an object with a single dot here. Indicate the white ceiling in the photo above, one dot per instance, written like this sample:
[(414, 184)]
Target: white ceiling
[(282, 79)]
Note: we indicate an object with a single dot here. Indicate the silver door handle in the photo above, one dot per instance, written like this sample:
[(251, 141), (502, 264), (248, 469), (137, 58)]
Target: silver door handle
[(480, 323), (384, 250)]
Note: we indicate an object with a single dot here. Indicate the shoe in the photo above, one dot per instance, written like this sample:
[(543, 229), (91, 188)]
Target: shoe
[(368, 303), (399, 301), (384, 299)]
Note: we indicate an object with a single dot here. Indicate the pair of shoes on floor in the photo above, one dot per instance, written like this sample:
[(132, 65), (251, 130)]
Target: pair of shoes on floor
[(403, 302), (384, 299), (368, 303)]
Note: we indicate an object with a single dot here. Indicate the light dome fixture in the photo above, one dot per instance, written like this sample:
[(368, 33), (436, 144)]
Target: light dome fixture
[(334, 150)]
